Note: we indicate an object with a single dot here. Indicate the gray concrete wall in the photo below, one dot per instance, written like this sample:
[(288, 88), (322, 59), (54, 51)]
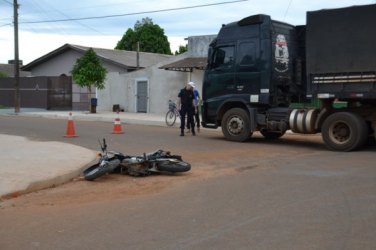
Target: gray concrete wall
[(63, 64), (58, 65), (198, 45)]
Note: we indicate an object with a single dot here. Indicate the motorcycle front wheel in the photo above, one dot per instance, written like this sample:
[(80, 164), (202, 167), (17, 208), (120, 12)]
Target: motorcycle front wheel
[(98, 170), (94, 172), (173, 166)]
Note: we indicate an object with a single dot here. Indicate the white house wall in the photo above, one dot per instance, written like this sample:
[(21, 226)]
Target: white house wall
[(113, 93), (120, 88), (197, 76), (163, 85)]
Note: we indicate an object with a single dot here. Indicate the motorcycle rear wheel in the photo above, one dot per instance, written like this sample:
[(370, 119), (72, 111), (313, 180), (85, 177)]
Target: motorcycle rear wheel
[(174, 166)]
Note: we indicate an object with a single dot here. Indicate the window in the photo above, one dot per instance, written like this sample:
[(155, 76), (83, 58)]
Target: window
[(223, 57), (247, 53)]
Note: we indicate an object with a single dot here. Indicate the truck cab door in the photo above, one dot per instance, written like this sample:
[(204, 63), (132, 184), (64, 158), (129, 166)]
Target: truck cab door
[(247, 77), (219, 77)]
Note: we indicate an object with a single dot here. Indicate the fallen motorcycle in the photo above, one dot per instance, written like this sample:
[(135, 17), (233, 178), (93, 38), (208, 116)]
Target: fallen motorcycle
[(108, 162), (159, 161)]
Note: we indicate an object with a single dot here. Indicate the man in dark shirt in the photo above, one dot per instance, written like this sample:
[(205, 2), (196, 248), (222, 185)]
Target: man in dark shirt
[(186, 107)]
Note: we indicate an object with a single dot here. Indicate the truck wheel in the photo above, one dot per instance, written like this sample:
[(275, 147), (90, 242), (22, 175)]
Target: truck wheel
[(271, 135), (235, 125), (344, 131)]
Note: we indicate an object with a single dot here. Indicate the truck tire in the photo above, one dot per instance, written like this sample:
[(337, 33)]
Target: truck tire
[(344, 131), (271, 135), (235, 125)]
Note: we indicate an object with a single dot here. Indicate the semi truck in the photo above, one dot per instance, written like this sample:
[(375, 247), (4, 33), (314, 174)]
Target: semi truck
[(258, 68)]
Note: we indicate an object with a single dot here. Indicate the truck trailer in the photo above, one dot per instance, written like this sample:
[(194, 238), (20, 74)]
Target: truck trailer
[(257, 67)]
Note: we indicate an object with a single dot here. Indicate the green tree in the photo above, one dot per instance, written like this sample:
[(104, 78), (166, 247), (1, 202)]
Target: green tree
[(2, 74), (150, 36), (182, 49), (89, 72)]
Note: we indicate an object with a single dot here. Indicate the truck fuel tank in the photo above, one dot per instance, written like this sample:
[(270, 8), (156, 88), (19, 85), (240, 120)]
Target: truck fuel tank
[(303, 120)]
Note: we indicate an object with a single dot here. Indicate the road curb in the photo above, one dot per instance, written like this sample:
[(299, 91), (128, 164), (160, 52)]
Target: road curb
[(51, 182), (124, 118)]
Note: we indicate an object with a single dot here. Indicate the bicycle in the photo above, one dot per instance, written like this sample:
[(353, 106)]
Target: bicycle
[(172, 113)]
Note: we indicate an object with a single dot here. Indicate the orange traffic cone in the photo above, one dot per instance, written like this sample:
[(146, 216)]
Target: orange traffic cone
[(117, 125), (70, 127)]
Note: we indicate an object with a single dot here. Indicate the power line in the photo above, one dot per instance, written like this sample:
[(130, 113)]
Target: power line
[(61, 13), (59, 28), (287, 9), (132, 14), (80, 23), (8, 2), (2, 25)]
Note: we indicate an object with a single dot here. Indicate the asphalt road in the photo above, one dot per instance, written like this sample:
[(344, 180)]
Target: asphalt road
[(289, 194)]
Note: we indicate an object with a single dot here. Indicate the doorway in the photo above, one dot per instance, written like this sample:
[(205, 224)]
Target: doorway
[(142, 96)]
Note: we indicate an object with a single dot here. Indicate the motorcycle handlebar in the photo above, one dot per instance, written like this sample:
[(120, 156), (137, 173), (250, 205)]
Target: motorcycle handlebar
[(103, 146)]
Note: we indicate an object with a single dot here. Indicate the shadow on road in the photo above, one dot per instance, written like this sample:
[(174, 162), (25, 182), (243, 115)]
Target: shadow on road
[(313, 142)]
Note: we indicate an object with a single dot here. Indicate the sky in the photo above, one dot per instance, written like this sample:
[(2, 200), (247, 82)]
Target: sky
[(102, 23)]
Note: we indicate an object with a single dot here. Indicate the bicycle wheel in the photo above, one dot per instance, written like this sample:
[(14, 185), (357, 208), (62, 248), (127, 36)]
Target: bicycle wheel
[(170, 118)]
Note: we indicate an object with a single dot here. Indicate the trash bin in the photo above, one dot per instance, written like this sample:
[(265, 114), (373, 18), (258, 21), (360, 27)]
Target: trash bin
[(116, 108), (93, 106)]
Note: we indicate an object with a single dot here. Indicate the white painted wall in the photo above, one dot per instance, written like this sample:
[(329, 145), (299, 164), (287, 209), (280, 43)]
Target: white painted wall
[(197, 76), (162, 85)]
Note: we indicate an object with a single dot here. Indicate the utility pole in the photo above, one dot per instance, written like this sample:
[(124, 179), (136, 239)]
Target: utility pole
[(16, 60)]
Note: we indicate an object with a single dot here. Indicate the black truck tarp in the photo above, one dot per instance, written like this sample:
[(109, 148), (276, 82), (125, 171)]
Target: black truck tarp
[(341, 40), (341, 52)]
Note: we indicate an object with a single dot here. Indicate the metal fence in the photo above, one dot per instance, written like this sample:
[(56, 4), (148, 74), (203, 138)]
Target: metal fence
[(52, 93)]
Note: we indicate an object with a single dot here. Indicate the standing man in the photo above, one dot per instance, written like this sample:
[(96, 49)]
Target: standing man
[(186, 106), (197, 101)]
